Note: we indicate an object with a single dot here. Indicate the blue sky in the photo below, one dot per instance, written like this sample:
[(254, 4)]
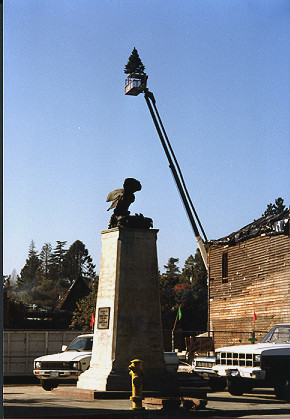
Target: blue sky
[(219, 71)]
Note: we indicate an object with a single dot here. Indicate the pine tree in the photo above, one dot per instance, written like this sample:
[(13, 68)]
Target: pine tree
[(46, 259), (172, 272), (57, 259), (134, 64), (50, 288), (46, 277), (30, 274), (187, 273)]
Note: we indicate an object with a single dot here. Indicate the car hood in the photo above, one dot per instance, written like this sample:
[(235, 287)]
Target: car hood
[(257, 348), (65, 356)]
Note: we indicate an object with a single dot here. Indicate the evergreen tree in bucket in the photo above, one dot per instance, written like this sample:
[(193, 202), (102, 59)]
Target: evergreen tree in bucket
[(134, 64)]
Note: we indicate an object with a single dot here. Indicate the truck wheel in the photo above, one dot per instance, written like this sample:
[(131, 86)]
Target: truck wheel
[(49, 385), (235, 388), (238, 387), (217, 384), (282, 389)]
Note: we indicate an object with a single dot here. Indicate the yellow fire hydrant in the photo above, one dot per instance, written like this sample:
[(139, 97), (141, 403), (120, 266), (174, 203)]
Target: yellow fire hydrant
[(137, 372)]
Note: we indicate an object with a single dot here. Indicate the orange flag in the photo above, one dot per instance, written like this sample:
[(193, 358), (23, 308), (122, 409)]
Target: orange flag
[(254, 317)]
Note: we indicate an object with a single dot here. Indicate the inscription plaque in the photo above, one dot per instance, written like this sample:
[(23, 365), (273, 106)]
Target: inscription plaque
[(103, 317)]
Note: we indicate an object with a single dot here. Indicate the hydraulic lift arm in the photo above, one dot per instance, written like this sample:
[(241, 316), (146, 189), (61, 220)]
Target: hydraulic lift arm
[(176, 171)]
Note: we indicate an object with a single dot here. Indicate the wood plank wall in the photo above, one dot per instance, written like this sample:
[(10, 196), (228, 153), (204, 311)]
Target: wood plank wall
[(258, 281)]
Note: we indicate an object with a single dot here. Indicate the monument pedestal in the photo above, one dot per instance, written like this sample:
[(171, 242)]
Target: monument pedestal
[(128, 322)]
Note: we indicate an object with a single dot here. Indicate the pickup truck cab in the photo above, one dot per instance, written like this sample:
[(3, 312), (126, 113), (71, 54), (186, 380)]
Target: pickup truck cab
[(74, 360), (265, 364)]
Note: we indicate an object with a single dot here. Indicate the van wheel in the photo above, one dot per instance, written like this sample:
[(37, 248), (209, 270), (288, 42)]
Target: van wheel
[(282, 389), (49, 385)]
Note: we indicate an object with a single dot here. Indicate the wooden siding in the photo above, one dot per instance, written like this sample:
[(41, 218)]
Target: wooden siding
[(258, 281)]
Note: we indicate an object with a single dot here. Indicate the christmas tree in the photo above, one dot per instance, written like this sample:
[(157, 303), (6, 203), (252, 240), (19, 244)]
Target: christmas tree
[(134, 64)]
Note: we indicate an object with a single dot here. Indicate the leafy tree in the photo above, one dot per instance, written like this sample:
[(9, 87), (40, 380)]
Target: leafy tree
[(77, 261), (134, 64), (47, 293), (273, 209), (6, 281), (191, 294), (167, 302), (194, 313), (187, 290), (85, 308), (167, 282)]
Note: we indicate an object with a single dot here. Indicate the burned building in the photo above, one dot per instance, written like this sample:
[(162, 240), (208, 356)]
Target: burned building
[(249, 272)]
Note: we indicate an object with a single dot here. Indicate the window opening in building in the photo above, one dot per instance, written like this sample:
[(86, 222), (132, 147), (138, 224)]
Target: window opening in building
[(224, 268)]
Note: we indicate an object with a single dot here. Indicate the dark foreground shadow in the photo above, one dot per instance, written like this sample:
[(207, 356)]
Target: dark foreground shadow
[(23, 412), (246, 399)]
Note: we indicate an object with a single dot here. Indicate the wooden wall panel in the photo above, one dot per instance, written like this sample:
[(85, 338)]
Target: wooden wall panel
[(258, 281)]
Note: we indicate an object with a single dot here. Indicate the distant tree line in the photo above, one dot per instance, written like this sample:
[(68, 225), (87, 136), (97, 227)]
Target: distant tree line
[(47, 275)]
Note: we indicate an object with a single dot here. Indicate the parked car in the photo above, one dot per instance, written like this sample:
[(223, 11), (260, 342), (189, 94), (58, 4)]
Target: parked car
[(66, 365), (241, 368), (74, 360)]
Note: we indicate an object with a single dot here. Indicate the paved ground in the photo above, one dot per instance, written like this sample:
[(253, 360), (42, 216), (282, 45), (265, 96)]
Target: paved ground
[(31, 401)]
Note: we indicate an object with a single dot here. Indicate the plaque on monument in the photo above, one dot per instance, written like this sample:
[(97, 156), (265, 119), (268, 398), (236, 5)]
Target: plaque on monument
[(103, 317)]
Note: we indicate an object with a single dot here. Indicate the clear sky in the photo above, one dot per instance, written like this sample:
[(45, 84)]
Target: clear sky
[(219, 71)]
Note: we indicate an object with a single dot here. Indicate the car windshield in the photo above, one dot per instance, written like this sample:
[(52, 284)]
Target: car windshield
[(81, 344), (279, 334)]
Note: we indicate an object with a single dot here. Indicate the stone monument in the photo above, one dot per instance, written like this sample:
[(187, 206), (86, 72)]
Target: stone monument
[(128, 320)]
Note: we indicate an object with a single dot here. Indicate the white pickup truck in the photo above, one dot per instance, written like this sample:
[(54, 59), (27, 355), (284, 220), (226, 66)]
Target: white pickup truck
[(74, 360), (241, 368)]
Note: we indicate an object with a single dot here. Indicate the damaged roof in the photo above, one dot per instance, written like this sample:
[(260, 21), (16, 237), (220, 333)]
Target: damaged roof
[(272, 225)]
